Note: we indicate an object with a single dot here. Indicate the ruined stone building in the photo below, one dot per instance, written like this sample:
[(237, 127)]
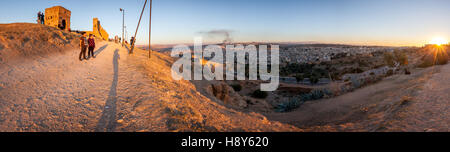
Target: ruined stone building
[(98, 30), (58, 17)]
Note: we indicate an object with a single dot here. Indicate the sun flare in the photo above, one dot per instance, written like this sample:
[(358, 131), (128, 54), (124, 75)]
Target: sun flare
[(438, 41)]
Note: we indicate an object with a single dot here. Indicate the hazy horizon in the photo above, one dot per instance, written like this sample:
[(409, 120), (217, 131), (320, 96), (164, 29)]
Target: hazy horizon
[(294, 43)]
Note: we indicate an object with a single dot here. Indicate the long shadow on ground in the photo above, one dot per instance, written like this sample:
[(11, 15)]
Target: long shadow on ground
[(100, 50), (128, 48), (107, 121)]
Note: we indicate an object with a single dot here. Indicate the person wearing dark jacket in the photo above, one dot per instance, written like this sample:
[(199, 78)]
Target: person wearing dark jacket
[(39, 16), (42, 18), (131, 40), (91, 42), (83, 46)]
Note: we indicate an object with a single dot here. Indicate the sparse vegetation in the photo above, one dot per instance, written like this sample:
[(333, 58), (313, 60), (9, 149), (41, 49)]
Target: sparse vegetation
[(405, 100), (297, 101), (389, 59), (390, 72), (397, 57), (356, 83), (259, 94), (407, 72), (296, 68), (299, 77), (358, 70), (289, 106), (314, 78), (363, 63), (236, 87), (434, 56), (401, 57)]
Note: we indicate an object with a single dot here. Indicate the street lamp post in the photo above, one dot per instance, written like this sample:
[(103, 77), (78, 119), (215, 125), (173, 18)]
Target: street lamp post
[(126, 33), (123, 25), (150, 33)]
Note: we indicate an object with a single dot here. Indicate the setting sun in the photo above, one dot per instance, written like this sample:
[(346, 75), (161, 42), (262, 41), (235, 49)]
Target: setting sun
[(438, 41)]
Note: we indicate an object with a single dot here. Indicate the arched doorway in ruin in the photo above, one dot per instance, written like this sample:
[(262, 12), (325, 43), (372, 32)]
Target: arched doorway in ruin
[(63, 25)]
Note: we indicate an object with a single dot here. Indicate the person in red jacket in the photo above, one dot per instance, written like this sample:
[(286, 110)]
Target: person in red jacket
[(91, 43)]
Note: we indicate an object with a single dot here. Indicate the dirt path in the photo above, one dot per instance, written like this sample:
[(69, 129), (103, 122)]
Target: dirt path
[(382, 106), (429, 110), (61, 93)]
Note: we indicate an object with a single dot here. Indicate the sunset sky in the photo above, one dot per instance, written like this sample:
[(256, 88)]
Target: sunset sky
[(368, 22)]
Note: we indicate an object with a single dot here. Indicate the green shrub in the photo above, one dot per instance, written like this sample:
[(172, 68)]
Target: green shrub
[(389, 59), (289, 106), (407, 72), (306, 97), (317, 94), (259, 94), (401, 57), (236, 87), (307, 75), (320, 72), (335, 76), (359, 70), (296, 68), (298, 101), (405, 100), (299, 77), (363, 63), (390, 72), (314, 78), (356, 83), (328, 92)]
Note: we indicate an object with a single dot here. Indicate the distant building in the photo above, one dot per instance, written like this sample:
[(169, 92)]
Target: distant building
[(98, 30), (58, 17)]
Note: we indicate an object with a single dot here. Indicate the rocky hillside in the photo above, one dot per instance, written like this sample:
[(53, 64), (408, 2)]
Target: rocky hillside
[(32, 40)]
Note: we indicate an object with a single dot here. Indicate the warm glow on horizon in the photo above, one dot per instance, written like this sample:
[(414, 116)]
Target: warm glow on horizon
[(438, 41)]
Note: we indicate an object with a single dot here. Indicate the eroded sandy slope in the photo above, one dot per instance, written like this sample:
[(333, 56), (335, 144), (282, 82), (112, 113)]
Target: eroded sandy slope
[(417, 102)]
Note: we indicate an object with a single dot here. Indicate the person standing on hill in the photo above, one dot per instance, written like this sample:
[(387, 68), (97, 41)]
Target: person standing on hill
[(131, 40), (39, 16), (42, 18), (83, 46), (91, 42)]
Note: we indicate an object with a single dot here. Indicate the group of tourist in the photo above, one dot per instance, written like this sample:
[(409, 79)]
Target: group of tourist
[(87, 43), (119, 40), (41, 18)]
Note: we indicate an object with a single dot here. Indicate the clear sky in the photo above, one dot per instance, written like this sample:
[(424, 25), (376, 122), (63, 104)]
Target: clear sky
[(370, 22)]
